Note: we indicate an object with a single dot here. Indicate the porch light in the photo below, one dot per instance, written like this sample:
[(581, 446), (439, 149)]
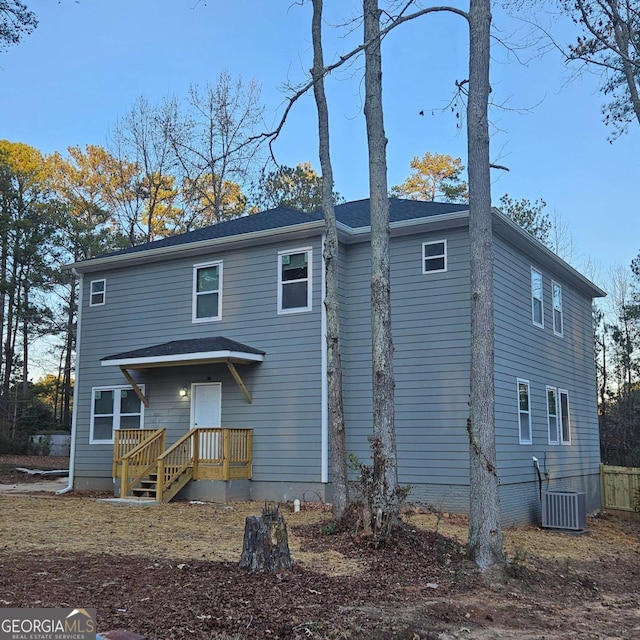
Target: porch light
[(183, 392)]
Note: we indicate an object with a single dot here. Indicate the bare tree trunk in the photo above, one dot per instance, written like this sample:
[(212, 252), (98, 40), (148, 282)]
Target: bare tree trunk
[(485, 535), (382, 342), (339, 486)]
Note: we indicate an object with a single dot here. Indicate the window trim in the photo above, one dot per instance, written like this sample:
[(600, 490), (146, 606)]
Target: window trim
[(564, 392), (308, 279), (520, 381), (444, 255), (534, 299), (116, 415), (93, 293), (560, 331), (557, 416), (195, 293)]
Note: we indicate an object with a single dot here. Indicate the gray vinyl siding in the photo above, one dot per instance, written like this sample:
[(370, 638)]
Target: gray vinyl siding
[(151, 304), (536, 354), (430, 324)]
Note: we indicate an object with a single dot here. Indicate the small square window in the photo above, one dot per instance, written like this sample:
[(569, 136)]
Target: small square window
[(98, 293), (434, 256)]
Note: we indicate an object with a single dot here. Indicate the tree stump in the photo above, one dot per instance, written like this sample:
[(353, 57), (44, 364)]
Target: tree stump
[(266, 544)]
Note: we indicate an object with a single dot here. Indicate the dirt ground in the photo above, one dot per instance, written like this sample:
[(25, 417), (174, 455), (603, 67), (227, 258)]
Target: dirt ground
[(170, 571)]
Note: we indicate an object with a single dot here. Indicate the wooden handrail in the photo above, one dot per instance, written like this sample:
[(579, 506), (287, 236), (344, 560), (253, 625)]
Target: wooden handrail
[(137, 463), (176, 460), (126, 440)]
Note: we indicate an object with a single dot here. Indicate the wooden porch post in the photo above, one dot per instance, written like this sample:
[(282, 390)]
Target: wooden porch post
[(226, 441), (124, 478), (196, 453)]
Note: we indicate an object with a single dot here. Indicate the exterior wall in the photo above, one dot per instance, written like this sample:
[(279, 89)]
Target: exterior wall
[(536, 354), (152, 303), (431, 332)]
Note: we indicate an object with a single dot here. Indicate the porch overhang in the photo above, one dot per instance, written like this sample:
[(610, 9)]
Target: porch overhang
[(180, 353)]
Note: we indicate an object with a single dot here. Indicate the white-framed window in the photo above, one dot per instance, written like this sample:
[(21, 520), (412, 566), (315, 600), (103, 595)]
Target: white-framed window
[(207, 291), (97, 292), (537, 307), (556, 296), (524, 412), (294, 280), (558, 416), (116, 407), (552, 415), (434, 256), (565, 416)]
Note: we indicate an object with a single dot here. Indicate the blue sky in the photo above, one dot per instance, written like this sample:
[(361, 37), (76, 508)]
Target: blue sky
[(88, 61)]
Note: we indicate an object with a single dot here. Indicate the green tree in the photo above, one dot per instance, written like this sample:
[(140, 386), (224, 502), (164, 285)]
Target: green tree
[(298, 187), (529, 215), (29, 239), (435, 176)]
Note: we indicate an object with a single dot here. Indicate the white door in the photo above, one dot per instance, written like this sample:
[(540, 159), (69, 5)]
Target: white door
[(206, 409)]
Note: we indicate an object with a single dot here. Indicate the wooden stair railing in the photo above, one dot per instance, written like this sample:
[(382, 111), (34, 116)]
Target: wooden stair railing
[(125, 440), (140, 461), (177, 465)]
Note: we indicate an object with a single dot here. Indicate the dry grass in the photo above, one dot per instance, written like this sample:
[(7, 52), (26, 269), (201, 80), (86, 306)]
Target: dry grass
[(210, 531)]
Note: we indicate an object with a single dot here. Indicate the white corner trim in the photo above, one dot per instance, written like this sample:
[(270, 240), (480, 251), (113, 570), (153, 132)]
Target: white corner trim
[(324, 429)]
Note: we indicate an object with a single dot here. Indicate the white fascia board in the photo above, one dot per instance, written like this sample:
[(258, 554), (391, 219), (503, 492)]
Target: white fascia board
[(177, 358), (189, 248), (404, 227)]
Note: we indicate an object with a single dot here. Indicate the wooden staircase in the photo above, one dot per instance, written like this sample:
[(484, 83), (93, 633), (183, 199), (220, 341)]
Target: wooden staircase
[(148, 471), (148, 486)]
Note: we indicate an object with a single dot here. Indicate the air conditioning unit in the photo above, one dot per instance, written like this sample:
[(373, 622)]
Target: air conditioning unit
[(564, 510)]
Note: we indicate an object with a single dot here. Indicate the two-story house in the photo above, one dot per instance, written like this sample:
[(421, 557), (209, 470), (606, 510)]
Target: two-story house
[(201, 361)]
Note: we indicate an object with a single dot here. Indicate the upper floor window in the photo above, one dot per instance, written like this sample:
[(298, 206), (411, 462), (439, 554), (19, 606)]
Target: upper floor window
[(536, 298), (207, 291), (294, 281), (434, 256), (98, 292), (114, 408), (524, 412), (556, 294)]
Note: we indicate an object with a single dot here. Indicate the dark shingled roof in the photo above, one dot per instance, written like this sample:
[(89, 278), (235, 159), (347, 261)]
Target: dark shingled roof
[(182, 347), (352, 214)]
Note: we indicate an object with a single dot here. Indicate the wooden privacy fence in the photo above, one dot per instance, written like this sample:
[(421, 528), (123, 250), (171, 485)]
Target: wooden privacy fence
[(620, 487)]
